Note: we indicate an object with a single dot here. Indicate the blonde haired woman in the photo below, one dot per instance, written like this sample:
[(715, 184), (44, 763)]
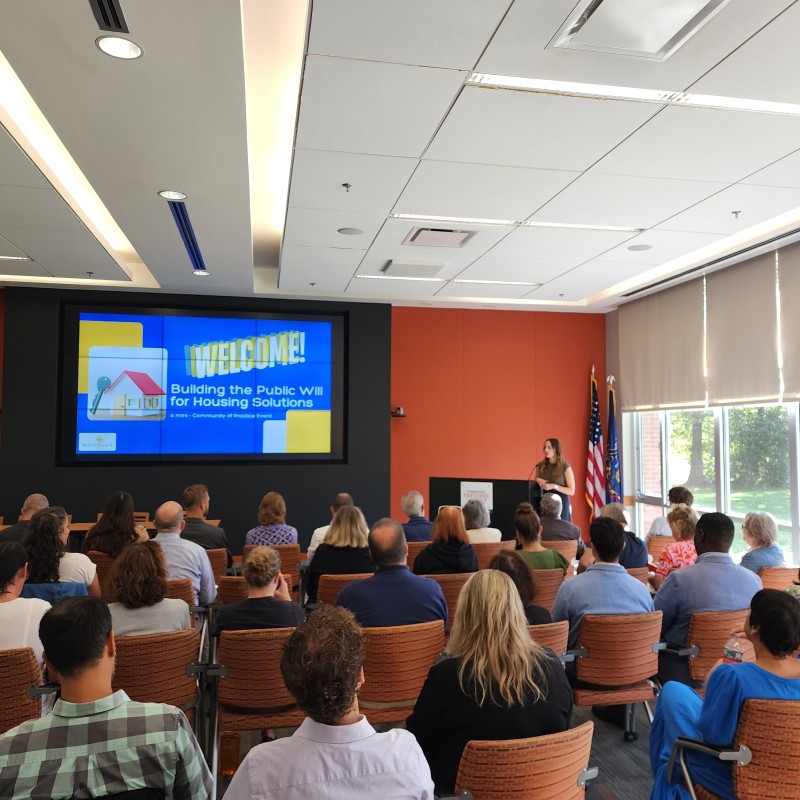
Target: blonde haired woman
[(680, 553), (760, 532), (497, 684), (268, 603), (344, 550)]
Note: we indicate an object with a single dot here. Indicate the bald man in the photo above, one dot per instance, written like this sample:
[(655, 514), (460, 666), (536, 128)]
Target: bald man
[(18, 531), (184, 559), (393, 595)]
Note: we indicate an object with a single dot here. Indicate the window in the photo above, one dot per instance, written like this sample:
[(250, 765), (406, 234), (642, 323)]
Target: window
[(690, 460)]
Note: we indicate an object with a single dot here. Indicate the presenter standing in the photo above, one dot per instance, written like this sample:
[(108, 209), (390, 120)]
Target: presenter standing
[(554, 474)]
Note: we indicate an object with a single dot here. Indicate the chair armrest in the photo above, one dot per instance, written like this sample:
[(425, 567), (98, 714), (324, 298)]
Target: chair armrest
[(573, 655), (683, 652), (587, 774), (38, 690), (741, 757)]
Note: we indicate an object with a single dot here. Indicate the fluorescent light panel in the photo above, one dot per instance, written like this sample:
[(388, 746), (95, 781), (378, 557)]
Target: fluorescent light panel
[(495, 283), (632, 94), (513, 223), (399, 278), (14, 258)]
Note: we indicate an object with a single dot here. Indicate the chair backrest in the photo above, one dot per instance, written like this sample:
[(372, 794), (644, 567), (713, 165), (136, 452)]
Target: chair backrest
[(567, 547), (709, 630), (54, 592), (778, 577), (181, 589), (152, 668), (656, 545), (547, 583), (18, 670), (104, 564), (553, 635), (218, 557), (542, 766), (331, 585), (214, 522), (397, 662), (771, 729), (231, 589), (290, 558), (486, 551), (141, 516), (246, 550), (619, 648), (414, 549), (640, 573), (451, 584)]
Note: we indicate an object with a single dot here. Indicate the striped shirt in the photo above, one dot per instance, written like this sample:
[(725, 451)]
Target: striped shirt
[(105, 747)]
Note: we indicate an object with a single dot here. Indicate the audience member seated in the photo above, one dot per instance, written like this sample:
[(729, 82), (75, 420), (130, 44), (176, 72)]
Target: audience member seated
[(555, 529), (680, 553), (116, 528), (394, 595), (343, 552), (476, 520), (268, 603), (497, 683), (335, 752), (139, 586), (529, 532), (773, 627), (418, 528), (183, 559), (518, 570), (19, 617), (48, 559), (677, 495), (760, 533), (634, 554), (449, 550), (97, 742), (605, 587), (712, 583), (196, 502), (318, 537), (272, 527), (18, 531)]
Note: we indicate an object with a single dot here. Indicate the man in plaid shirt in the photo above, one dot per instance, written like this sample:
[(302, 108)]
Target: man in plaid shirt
[(97, 742)]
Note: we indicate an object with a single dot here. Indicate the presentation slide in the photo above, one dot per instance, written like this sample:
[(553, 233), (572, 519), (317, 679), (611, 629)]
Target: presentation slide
[(171, 385)]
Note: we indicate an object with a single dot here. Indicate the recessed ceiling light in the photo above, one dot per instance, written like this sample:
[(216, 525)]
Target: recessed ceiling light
[(117, 47), (169, 194), (350, 231), (201, 273), (639, 247)]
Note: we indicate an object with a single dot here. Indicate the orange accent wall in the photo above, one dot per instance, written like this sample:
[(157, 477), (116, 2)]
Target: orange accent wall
[(482, 390)]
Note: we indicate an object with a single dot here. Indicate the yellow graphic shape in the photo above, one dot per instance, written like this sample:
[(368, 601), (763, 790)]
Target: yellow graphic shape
[(308, 431), (103, 334)]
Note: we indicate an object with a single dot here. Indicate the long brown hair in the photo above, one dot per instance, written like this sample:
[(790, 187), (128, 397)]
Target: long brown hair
[(272, 510), (139, 575), (449, 526), (44, 545), (558, 464), (115, 529)]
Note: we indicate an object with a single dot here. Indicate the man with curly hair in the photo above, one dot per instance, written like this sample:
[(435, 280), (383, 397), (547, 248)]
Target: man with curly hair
[(335, 752)]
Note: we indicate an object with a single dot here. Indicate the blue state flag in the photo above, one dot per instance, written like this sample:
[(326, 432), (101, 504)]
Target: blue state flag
[(613, 478)]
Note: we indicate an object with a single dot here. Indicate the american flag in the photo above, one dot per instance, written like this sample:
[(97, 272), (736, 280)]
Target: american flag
[(595, 469)]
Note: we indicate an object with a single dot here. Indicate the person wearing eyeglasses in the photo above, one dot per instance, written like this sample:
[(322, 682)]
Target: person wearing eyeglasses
[(449, 550), (760, 532)]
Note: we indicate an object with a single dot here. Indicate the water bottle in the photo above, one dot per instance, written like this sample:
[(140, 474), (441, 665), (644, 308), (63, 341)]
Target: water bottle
[(733, 651)]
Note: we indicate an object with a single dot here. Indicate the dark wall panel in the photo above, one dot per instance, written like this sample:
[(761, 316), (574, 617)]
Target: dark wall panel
[(30, 416)]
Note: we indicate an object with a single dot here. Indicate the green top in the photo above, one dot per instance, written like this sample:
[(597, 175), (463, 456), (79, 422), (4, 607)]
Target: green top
[(548, 559)]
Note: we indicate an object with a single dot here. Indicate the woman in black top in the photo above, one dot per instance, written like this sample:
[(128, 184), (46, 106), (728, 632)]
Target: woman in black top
[(344, 551), (449, 550), (518, 570), (268, 603), (498, 684)]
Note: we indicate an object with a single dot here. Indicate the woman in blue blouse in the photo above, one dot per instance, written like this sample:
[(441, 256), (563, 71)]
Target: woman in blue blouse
[(760, 532), (773, 627)]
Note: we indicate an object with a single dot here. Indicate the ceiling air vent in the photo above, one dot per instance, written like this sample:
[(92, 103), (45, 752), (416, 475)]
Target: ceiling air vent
[(438, 237), (413, 269), (109, 16), (181, 217)]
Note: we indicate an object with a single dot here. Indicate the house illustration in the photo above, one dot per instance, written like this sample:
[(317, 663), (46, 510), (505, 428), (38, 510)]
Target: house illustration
[(135, 394)]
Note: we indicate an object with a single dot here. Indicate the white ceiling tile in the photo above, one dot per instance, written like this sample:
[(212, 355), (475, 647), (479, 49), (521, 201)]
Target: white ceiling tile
[(756, 204), (523, 129), (485, 290), (665, 245), (42, 245), (102, 268), (704, 144), (16, 169), (330, 270), (21, 269), (313, 227), (24, 207), (558, 243), (533, 270), (447, 33), (8, 249), (479, 190), (371, 107), (586, 280), (375, 181), (598, 199), (393, 288), (784, 172)]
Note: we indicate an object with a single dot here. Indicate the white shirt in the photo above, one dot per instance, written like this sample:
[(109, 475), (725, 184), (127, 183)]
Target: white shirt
[(186, 559), (660, 527), (19, 624), (335, 761), (317, 538), (481, 535), (167, 615), (76, 568)]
